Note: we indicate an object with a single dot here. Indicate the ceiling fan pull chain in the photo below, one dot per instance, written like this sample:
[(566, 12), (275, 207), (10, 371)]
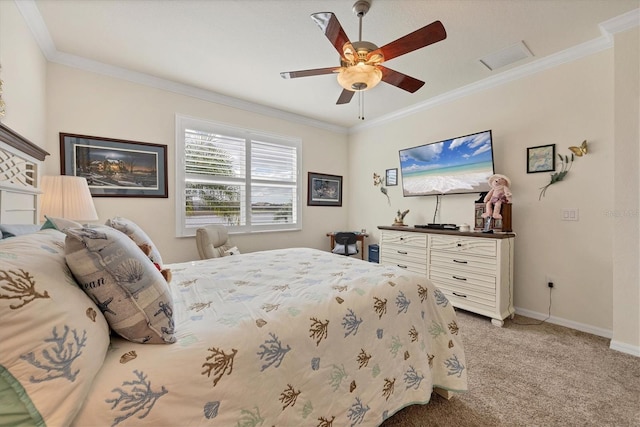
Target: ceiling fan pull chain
[(361, 105)]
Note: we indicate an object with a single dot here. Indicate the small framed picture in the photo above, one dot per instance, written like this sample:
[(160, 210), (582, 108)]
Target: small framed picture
[(324, 190), (392, 177), (541, 158)]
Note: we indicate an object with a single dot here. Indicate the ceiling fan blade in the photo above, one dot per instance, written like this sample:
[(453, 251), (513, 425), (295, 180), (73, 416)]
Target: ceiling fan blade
[(425, 36), (400, 80), (331, 28), (308, 73), (345, 96)]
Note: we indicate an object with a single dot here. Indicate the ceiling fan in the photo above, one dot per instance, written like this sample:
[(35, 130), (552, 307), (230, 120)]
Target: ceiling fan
[(360, 62)]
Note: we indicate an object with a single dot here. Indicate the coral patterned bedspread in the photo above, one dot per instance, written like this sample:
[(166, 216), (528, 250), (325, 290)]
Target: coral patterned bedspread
[(292, 337)]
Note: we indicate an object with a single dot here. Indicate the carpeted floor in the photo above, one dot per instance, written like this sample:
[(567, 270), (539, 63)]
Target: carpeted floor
[(537, 375)]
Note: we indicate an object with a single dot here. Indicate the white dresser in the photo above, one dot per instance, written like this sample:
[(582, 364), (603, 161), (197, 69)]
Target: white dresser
[(474, 270)]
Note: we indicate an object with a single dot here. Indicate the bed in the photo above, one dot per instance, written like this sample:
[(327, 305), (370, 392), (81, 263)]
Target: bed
[(290, 337)]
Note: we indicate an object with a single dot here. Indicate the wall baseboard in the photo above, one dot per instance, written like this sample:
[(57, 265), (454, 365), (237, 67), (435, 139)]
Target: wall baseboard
[(564, 322), (606, 333), (622, 347)]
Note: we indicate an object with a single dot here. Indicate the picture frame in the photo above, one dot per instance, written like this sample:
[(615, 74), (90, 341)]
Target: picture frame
[(115, 167), (541, 158), (391, 177), (324, 189)]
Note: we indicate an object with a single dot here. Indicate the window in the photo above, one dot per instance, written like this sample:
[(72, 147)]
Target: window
[(246, 180)]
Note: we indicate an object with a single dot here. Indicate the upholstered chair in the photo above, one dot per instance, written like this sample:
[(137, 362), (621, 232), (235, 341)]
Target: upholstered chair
[(212, 241)]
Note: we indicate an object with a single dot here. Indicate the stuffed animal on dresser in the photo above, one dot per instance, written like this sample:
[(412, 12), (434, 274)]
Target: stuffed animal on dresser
[(499, 194)]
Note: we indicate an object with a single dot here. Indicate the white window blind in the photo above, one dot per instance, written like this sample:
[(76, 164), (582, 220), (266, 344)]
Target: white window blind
[(242, 179)]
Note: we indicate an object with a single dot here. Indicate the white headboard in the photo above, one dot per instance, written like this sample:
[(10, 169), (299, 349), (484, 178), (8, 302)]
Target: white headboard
[(20, 165)]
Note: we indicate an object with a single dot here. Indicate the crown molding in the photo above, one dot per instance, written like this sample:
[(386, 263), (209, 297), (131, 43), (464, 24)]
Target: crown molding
[(36, 24), (608, 28), (97, 67), (621, 23)]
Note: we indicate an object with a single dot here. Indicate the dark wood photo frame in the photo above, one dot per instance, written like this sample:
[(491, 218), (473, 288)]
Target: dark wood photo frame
[(324, 190), (391, 177), (115, 167)]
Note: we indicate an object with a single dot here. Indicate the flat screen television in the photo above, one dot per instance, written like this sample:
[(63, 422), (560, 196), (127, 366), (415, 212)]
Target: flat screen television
[(453, 166)]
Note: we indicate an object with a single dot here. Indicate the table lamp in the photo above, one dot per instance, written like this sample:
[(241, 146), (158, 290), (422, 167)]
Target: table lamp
[(66, 196)]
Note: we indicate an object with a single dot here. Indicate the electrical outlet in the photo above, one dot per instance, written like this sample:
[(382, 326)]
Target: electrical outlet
[(548, 279)]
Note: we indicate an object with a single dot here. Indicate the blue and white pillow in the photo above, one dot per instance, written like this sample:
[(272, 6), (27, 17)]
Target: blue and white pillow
[(125, 284)]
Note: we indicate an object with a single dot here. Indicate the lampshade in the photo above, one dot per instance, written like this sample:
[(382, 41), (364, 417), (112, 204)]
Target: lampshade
[(359, 77), (66, 196)]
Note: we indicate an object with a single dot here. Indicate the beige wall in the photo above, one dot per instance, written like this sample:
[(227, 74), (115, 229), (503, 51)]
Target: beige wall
[(561, 106), (24, 70), (90, 104), (626, 242)]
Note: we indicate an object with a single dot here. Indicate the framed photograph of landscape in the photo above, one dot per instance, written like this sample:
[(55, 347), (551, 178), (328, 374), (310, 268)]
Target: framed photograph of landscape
[(324, 190), (115, 167), (541, 158)]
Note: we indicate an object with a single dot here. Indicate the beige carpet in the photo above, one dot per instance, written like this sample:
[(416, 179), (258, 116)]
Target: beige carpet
[(542, 375)]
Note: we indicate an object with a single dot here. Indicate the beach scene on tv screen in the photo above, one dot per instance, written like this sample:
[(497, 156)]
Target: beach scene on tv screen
[(458, 165)]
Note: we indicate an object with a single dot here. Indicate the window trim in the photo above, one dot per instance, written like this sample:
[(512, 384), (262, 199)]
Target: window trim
[(182, 123)]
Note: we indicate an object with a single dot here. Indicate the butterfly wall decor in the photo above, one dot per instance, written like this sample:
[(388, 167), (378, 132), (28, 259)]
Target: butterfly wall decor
[(565, 162), (579, 151)]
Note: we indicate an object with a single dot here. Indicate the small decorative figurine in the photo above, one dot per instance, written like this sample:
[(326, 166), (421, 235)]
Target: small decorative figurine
[(399, 221), (499, 194)]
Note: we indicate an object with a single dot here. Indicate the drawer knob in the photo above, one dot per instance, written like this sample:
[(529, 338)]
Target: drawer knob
[(459, 278), (460, 262), (403, 252), (401, 266), (459, 244), (459, 295)]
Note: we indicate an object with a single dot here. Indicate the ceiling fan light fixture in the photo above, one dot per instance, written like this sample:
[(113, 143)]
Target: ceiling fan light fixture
[(359, 77)]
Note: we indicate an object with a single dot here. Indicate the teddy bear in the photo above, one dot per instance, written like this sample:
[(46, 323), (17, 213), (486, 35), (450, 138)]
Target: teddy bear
[(166, 273), (499, 194)]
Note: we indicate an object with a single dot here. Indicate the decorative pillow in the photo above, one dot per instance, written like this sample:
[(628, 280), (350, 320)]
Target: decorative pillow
[(124, 283), (12, 230), (138, 235), (60, 224), (53, 337)]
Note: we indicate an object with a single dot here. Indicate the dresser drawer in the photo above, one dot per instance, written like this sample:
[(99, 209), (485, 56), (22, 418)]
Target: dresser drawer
[(408, 265), (469, 300), (478, 283), (415, 261), (462, 262), (404, 239), (478, 246), (405, 251)]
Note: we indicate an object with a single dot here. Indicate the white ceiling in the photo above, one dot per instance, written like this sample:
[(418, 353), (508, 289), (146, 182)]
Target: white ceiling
[(237, 48)]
